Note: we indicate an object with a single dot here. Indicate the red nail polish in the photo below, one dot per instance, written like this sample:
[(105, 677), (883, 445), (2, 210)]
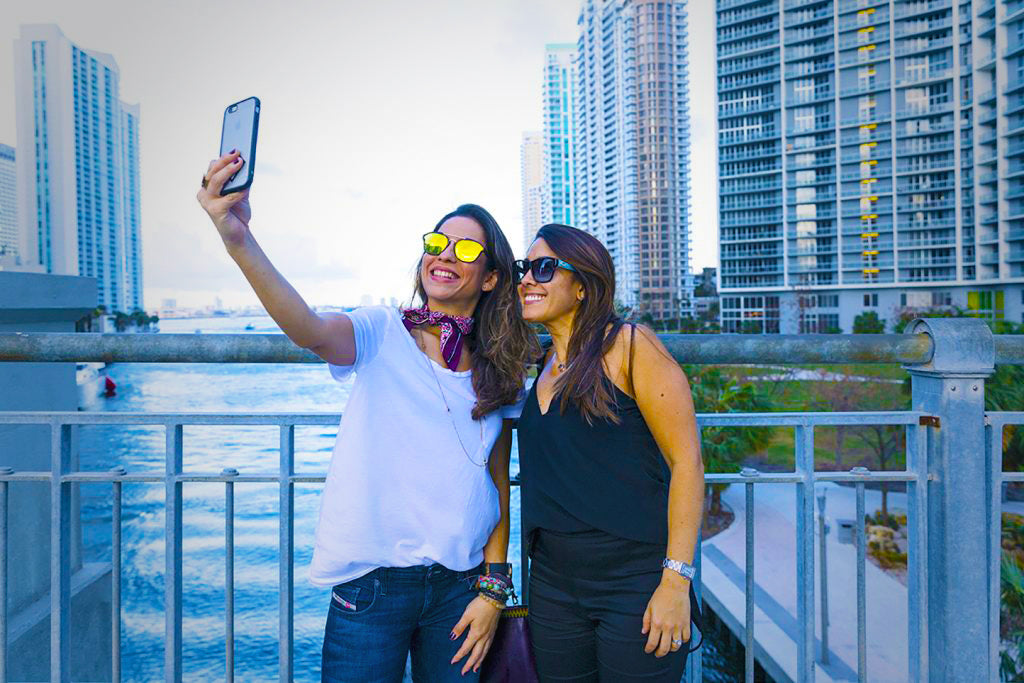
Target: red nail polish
[(232, 151)]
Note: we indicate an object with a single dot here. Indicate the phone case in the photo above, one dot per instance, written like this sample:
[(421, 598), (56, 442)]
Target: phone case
[(241, 124)]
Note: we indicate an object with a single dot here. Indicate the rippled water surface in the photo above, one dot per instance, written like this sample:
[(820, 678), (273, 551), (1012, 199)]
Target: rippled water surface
[(227, 389)]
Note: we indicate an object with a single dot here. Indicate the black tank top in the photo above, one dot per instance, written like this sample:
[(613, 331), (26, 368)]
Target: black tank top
[(579, 477)]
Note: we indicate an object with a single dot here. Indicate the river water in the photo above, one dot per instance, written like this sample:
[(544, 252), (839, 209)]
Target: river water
[(229, 388)]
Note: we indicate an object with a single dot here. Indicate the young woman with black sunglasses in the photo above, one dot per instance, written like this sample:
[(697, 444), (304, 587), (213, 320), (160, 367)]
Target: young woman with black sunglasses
[(415, 509), (612, 478)]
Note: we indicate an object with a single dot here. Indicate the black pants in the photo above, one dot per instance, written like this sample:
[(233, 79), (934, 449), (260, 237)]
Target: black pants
[(588, 595)]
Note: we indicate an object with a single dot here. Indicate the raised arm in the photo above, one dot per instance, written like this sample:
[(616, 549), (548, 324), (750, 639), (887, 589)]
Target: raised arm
[(328, 336)]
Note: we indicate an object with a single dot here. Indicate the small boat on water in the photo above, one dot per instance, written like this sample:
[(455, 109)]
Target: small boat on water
[(88, 377), (250, 327)]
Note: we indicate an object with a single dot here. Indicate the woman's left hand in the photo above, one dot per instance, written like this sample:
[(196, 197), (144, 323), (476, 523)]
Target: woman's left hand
[(481, 617), (667, 617)]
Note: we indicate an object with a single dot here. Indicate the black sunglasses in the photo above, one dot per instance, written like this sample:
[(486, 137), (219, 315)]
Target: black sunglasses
[(543, 268)]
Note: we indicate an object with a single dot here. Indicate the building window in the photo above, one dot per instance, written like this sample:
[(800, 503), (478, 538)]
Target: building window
[(871, 300)]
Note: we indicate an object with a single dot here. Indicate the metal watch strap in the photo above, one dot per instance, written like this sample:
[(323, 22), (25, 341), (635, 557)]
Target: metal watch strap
[(687, 571)]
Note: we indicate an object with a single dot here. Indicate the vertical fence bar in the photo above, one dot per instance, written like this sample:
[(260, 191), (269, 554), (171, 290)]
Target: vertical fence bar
[(229, 575), (524, 562), (994, 449), (748, 640), (115, 578), (862, 657), (917, 555), (805, 553), (823, 573), (172, 553), (4, 471), (695, 662), (60, 553), (286, 573)]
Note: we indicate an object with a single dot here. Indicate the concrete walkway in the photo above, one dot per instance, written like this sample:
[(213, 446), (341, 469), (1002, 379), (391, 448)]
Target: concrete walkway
[(775, 614)]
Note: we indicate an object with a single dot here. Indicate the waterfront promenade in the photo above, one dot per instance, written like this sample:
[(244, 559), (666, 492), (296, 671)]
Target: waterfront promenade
[(775, 600)]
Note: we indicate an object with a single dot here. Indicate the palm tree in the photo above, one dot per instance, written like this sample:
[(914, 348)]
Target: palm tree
[(724, 448)]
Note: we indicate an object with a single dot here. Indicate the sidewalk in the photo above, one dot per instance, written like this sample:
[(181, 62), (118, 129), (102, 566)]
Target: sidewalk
[(775, 614)]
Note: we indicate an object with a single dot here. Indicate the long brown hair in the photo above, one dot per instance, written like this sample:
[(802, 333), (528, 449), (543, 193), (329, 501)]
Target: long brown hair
[(595, 326), (502, 344)]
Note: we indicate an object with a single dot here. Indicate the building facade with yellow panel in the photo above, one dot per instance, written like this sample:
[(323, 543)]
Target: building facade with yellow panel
[(868, 160)]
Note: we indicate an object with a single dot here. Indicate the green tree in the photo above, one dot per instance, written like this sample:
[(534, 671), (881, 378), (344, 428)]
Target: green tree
[(121, 321), (868, 322), (1011, 659), (751, 327), (724, 448)]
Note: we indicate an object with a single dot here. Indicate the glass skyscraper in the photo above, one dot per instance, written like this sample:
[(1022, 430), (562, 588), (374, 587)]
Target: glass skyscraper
[(8, 203), (632, 148), (559, 95), (531, 170), (77, 166), (867, 160)]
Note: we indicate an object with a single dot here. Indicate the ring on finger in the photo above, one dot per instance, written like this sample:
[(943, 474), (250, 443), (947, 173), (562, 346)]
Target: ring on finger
[(677, 643)]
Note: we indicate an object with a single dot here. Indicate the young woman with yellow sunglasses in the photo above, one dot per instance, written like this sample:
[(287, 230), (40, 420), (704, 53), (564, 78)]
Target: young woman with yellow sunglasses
[(415, 509)]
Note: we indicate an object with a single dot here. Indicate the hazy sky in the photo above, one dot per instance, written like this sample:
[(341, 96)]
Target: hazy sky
[(378, 117)]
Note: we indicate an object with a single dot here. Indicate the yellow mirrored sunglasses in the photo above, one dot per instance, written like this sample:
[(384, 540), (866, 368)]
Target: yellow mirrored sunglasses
[(466, 250)]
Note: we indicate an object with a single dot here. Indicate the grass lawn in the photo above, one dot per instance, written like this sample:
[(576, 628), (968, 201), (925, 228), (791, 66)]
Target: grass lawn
[(779, 456)]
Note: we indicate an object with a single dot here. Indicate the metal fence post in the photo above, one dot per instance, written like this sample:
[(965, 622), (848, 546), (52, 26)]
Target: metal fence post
[(286, 557), (172, 554), (3, 574), (951, 386), (60, 553)]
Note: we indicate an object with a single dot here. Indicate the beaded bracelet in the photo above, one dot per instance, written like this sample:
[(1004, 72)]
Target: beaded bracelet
[(494, 582), (500, 596), (491, 601)]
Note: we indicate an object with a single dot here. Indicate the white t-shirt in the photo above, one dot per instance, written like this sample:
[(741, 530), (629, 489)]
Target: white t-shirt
[(400, 489)]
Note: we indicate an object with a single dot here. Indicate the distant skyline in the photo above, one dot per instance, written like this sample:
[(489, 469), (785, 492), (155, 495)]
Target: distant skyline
[(377, 119)]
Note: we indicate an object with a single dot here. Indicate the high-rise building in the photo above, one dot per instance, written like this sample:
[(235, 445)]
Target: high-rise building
[(8, 203), (632, 148), (78, 169), (868, 160), (558, 92), (531, 169), (132, 215)]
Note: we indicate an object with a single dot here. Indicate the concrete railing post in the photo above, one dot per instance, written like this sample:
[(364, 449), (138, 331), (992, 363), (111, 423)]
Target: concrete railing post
[(951, 386)]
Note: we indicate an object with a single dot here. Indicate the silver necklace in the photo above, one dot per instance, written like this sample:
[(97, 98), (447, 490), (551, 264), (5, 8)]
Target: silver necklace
[(433, 371)]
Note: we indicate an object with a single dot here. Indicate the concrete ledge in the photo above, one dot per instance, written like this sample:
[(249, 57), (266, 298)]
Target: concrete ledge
[(39, 297), (91, 626)]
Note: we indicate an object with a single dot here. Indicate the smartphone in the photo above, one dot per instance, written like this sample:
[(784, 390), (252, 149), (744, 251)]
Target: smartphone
[(241, 121)]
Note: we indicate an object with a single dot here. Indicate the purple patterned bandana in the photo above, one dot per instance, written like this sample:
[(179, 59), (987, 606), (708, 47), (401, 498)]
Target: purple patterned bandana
[(453, 329)]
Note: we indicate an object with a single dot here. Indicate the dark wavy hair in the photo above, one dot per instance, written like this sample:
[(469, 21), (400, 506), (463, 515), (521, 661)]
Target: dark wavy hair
[(502, 344), (595, 326)]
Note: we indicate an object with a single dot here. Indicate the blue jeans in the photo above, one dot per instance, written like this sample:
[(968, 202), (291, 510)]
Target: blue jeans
[(375, 621)]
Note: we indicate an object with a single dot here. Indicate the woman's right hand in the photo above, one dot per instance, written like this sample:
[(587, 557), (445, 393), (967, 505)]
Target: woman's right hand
[(230, 213)]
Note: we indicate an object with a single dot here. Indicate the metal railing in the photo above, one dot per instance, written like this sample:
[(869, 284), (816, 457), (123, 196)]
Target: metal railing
[(948, 361)]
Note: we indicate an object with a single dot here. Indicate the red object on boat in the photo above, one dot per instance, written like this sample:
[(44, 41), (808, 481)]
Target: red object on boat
[(109, 386)]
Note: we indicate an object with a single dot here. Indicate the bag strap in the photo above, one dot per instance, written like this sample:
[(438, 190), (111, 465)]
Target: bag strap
[(632, 339), (697, 618)]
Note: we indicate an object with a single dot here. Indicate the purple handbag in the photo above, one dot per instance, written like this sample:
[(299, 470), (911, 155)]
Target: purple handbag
[(510, 659)]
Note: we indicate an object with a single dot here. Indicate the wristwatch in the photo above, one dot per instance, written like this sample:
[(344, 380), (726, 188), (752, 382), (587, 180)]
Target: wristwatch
[(503, 568), (687, 571)]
